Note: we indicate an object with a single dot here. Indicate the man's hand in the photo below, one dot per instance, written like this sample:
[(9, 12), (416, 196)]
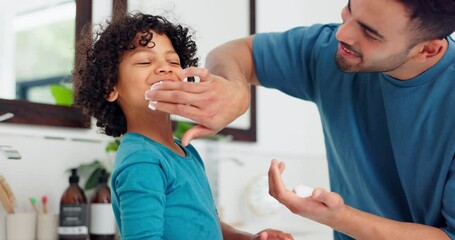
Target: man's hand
[(272, 234), (322, 206), (213, 103), (328, 208)]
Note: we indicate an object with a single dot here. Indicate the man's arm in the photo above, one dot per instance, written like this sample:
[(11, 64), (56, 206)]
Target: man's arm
[(362, 225), (222, 95), (234, 61), (328, 208)]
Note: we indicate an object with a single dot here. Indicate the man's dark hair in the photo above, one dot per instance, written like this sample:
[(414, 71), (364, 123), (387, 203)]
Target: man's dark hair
[(434, 19), (96, 70)]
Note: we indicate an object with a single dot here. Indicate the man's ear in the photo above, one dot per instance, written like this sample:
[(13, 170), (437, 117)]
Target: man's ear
[(430, 49), (113, 95)]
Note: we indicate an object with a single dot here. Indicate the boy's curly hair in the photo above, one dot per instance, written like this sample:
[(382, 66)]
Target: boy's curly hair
[(96, 70)]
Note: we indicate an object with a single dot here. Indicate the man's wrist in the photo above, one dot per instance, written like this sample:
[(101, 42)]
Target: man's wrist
[(341, 220)]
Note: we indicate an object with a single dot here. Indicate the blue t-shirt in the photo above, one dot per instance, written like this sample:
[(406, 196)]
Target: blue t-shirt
[(390, 144), (157, 194)]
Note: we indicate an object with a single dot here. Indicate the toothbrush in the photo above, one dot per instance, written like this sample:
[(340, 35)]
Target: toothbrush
[(34, 204), (44, 202)]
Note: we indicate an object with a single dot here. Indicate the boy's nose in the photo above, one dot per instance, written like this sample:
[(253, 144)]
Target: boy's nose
[(164, 68)]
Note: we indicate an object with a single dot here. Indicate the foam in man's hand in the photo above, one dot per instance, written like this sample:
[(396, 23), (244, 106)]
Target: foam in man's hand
[(303, 191)]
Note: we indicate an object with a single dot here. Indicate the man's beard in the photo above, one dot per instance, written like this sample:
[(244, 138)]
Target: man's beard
[(387, 65)]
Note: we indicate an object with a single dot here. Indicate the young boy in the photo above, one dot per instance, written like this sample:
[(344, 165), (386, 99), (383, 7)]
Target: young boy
[(159, 187)]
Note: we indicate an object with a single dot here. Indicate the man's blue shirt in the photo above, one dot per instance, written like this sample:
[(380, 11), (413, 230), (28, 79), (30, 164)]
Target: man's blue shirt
[(390, 143)]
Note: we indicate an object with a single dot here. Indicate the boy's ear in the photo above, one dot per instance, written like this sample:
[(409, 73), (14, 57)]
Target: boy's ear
[(113, 95)]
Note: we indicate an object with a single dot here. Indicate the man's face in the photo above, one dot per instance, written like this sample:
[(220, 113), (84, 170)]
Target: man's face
[(374, 37)]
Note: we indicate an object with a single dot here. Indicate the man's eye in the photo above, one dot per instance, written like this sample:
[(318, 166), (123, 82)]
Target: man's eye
[(368, 35)]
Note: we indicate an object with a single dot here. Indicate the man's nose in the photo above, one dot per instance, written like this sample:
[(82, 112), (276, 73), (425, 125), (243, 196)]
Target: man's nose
[(346, 33)]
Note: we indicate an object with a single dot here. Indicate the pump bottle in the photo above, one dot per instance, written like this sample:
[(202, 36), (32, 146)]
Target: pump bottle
[(102, 219), (73, 219)]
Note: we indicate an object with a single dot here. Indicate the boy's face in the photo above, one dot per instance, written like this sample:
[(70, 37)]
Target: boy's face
[(140, 68), (375, 36)]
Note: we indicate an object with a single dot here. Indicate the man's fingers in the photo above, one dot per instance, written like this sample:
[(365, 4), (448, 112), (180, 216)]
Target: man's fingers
[(281, 166), (183, 110), (284, 196), (202, 73), (272, 234), (171, 96), (330, 199), (168, 87), (263, 236), (276, 185), (195, 132)]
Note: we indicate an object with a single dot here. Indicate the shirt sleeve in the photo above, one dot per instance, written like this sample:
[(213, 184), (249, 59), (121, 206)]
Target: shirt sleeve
[(289, 61), (448, 202), (140, 188)]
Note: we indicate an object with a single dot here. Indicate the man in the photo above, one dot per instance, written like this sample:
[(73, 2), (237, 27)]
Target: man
[(383, 82)]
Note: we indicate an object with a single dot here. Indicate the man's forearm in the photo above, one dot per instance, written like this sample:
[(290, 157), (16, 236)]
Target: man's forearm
[(362, 225), (233, 61)]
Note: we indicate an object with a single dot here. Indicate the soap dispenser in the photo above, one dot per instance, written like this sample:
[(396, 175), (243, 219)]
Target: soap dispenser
[(73, 220), (102, 219)]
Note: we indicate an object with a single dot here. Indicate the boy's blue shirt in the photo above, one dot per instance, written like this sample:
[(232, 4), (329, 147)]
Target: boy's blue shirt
[(157, 194), (390, 144)]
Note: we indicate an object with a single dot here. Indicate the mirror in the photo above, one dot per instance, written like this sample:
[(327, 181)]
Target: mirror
[(36, 51), (28, 97), (43, 39)]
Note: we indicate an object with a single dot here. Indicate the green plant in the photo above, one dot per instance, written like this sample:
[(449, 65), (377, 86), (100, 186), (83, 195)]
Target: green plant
[(62, 94), (181, 128), (93, 170)]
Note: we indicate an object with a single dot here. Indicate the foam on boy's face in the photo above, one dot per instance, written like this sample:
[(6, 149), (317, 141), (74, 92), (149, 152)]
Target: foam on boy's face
[(143, 66)]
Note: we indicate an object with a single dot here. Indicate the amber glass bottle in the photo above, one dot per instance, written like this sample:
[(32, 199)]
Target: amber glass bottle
[(73, 219), (102, 219)]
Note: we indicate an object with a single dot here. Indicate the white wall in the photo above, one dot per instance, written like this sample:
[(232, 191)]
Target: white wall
[(288, 129)]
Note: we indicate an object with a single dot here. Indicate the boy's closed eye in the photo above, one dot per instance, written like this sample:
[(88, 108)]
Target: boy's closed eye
[(144, 63), (174, 62), (144, 60)]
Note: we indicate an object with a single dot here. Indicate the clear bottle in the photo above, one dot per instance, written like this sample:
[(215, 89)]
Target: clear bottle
[(73, 219), (102, 219)]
